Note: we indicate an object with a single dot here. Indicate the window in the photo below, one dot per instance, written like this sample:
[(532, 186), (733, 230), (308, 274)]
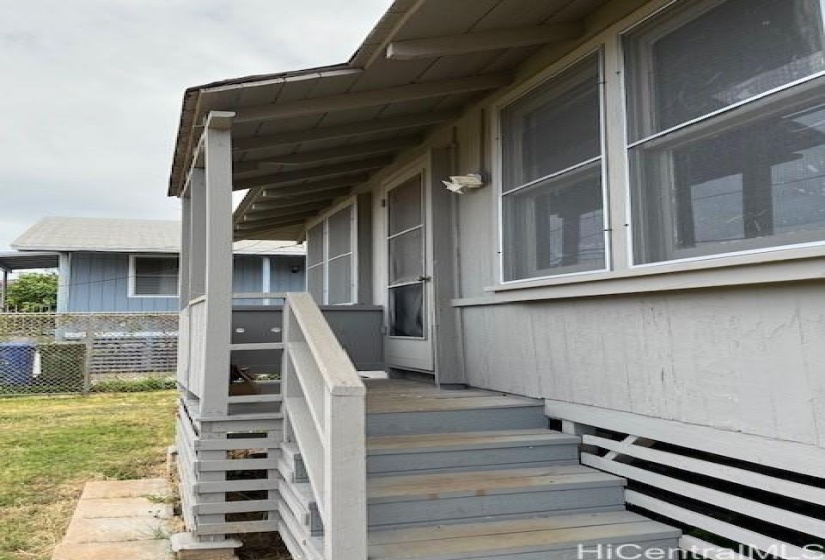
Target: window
[(727, 128), (405, 258), (552, 190), (331, 258), (153, 276)]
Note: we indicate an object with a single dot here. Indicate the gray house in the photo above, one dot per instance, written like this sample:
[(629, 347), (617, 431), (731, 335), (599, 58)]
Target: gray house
[(116, 265), (620, 284)]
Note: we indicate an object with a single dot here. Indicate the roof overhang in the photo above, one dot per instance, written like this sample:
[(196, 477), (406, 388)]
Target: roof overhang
[(27, 261), (304, 140)]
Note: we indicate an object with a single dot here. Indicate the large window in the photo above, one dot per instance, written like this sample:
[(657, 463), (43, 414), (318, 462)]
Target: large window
[(552, 191), (714, 143), (155, 276), (727, 128), (331, 258)]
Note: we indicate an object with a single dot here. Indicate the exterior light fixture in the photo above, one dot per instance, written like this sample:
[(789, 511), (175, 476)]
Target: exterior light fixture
[(461, 183)]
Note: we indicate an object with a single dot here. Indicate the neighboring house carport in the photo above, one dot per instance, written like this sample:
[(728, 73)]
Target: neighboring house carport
[(12, 261)]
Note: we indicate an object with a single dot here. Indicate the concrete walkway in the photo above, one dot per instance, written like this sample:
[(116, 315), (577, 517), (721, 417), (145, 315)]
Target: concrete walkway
[(119, 520)]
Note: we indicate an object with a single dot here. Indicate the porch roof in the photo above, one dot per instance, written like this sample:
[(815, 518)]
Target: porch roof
[(16, 260), (304, 139)]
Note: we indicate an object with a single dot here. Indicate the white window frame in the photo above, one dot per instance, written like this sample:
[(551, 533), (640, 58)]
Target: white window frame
[(754, 100), (133, 275), (622, 275), (323, 221), (598, 52)]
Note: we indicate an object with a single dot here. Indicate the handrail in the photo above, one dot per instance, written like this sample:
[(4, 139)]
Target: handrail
[(324, 404)]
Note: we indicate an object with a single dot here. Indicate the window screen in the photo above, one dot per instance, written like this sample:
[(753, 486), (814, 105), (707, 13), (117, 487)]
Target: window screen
[(740, 179), (155, 276), (331, 258), (552, 202), (713, 55)]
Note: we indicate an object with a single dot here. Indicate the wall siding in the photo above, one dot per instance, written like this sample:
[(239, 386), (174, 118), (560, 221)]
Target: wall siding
[(282, 277), (745, 360), (99, 282)]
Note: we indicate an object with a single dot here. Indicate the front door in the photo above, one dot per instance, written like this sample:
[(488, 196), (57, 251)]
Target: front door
[(409, 339)]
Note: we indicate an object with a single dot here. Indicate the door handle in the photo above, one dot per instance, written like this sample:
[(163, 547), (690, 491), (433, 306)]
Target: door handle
[(424, 278)]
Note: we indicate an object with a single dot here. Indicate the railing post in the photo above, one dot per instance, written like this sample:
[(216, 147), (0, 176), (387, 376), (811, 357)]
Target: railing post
[(346, 486)]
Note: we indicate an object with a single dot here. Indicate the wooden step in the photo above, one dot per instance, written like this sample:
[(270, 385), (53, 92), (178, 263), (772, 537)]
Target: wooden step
[(428, 414), (543, 538), (432, 499), (467, 451), (444, 401)]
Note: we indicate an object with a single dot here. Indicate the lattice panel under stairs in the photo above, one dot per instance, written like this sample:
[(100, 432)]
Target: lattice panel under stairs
[(228, 471)]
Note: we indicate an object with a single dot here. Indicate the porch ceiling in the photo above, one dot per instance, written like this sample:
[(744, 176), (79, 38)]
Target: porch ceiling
[(304, 139), (18, 260)]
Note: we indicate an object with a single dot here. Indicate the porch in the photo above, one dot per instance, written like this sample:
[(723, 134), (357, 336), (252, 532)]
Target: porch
[(389, 468)]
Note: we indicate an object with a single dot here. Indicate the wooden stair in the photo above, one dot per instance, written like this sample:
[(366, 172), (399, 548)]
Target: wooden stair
[(474, 474)]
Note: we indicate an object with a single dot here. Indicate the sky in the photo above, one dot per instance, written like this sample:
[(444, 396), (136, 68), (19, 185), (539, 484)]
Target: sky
[(92, 90)]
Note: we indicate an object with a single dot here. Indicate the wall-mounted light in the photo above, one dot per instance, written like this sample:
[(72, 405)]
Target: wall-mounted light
[(461, 183)]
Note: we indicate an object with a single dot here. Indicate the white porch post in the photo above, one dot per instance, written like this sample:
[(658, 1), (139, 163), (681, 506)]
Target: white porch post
[(218, 269), (5, 289), (64, 280), (197, 233), (185, 248)]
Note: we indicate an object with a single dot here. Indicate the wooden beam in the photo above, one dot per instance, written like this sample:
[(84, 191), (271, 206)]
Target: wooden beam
[(360, 128), (263, 233), (319, 156), (292, 177), (275, 224), (259, 207), (371, 98), (264, 216), (451, 45), (342, 152), (278, 193)]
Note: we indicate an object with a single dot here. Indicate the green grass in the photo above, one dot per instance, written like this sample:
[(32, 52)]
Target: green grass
[(49, 447)]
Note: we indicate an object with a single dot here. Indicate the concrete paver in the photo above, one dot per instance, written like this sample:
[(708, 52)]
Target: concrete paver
[(125, 489), (133, 550), (119, 520), (123, 507)]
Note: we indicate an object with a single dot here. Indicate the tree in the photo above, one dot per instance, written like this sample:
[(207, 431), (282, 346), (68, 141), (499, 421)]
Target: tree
[(32, 292)]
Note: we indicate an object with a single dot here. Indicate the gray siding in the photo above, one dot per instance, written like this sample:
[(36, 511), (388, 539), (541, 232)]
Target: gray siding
[(282, 277), (99, 282), (247, 274), (745, 360)]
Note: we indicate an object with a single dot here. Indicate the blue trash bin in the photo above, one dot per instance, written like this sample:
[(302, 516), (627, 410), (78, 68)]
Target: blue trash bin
[(16, 363)]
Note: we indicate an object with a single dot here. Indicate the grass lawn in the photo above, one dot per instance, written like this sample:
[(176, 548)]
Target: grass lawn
[(49, 447)]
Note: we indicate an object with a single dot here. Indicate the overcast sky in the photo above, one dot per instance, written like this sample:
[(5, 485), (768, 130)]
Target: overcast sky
[(92, 90)]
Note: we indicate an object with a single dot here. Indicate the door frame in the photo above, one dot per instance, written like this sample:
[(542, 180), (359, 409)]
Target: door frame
[(420, 352)]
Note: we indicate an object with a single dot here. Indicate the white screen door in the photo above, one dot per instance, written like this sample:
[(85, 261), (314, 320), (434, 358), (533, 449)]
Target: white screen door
[(409, 294)]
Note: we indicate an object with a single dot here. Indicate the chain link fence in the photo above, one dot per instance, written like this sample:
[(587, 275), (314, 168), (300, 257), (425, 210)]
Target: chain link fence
[(54, 353)]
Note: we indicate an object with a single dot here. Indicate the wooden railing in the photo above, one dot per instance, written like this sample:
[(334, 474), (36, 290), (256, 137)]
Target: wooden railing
[(191, 331), (324, 407), (757, 495)]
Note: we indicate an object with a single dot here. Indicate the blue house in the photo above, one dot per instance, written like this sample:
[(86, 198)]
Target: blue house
[(117, 265)]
